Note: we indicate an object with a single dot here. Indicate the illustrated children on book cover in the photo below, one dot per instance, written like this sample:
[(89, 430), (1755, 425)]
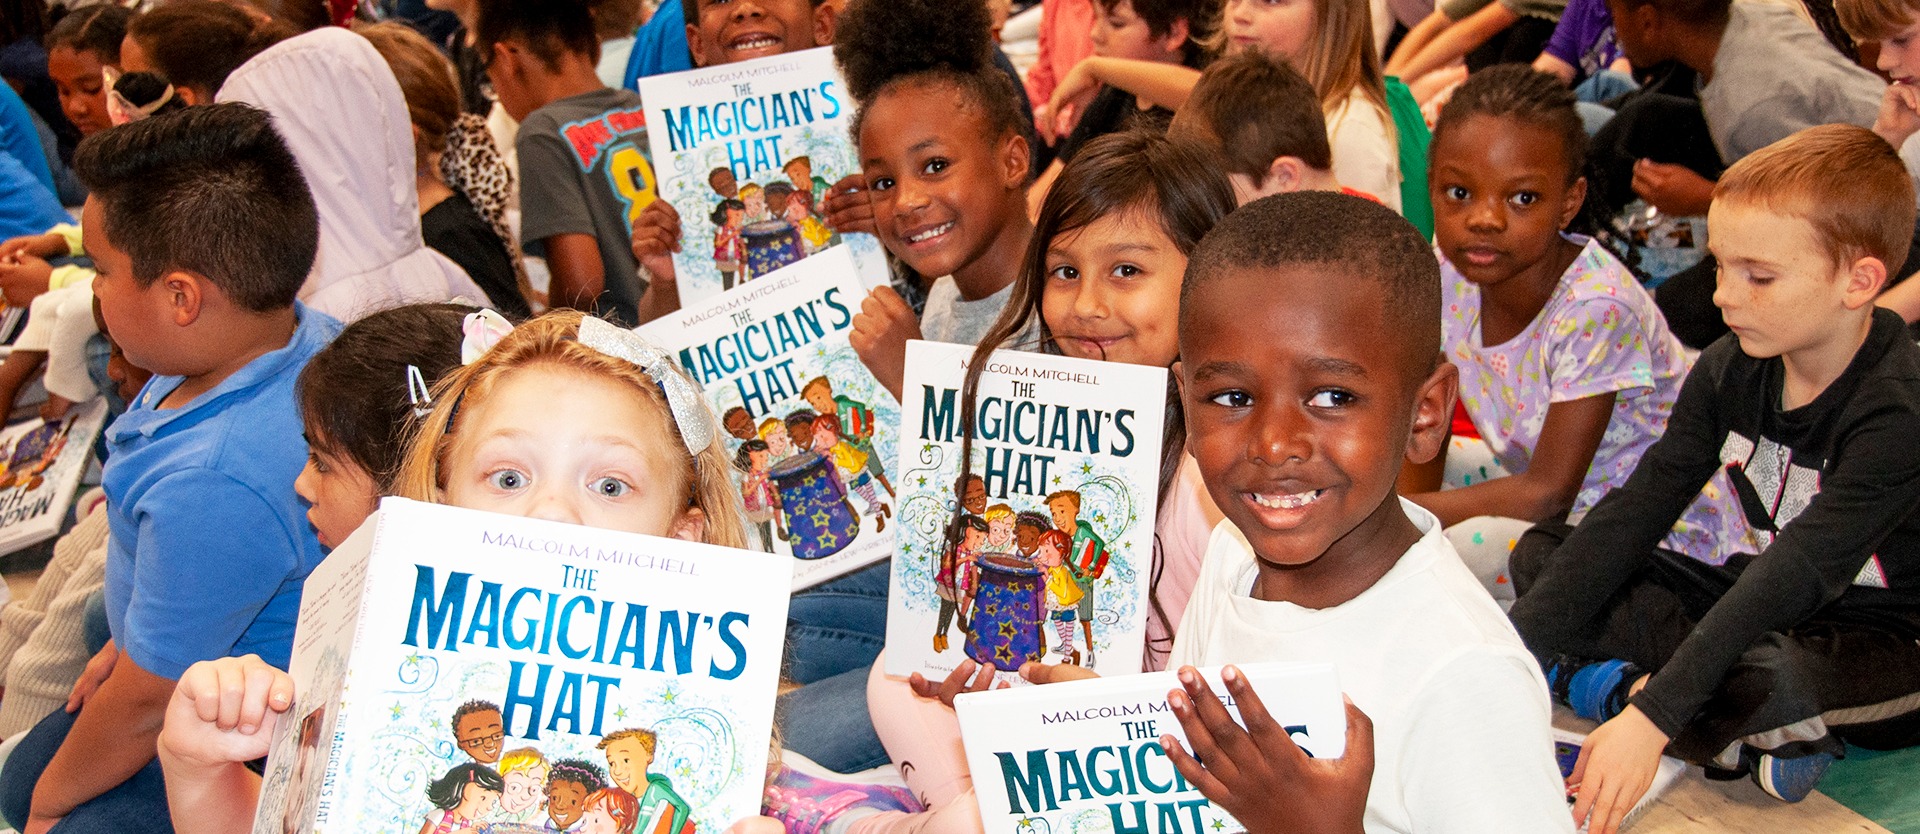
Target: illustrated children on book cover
[(462, 671), (1040, 550), (811, 430), (745, 152)]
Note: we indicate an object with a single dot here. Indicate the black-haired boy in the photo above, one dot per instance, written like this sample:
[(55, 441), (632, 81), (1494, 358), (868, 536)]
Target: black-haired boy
[(202, 231), (585, 173), (1299, 440)]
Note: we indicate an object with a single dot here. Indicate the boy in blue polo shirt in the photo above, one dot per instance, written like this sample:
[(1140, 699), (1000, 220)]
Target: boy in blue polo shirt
[(202, 230)]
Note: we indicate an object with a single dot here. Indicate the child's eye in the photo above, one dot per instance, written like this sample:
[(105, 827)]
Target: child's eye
[(1063, 272), (610, 487), (313, 460), (880, 184), (1126, 271), (507, 479), (935, 165), (1524, 198), (1333, 398), (1454, 192), (1232, 399)]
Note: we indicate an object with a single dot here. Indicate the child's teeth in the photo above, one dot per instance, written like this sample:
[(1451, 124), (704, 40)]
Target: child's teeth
[(931, 233), (1287, 502)]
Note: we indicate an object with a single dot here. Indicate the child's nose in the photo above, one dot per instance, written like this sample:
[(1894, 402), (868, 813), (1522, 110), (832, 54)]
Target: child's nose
[(1283, 434), (552, 504), (1487, 214)]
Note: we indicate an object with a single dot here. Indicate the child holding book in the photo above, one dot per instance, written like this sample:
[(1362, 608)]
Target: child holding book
[(1566, 367), (1299, 440), (1105, 266), (202, 231), (943, 148), (520, 431), (1769, 663)]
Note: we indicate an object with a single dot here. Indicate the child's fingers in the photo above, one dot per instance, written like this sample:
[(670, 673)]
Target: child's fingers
[(253, 704), (921, 686), (1200, 737), (1192, 770), (1266, 732), (1359, 737), (1226, 734)]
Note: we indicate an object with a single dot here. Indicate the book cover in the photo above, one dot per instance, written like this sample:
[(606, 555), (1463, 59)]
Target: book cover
[(745, 152), (1052, 532), (41, 463), (1085, 756), (460, 670), (812, 432)]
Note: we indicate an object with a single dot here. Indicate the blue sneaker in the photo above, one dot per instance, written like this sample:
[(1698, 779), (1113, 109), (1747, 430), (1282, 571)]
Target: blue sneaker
[(1598, 691), (1790, 780)]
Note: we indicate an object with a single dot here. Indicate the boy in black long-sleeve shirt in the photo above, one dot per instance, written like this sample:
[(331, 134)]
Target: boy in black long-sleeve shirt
[(1768, 663)]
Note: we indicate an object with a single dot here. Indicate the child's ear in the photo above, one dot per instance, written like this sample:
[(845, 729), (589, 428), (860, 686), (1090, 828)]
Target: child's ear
[(1016, 158), (1285, 175), (1576, 197), (1176, 36), (186, 294), (1433, 412), (696, 44), (823, 24), (691, 526), (1864, 280)]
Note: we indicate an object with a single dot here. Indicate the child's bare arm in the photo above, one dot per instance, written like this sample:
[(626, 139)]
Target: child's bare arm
[(1568, 440), (1458, 40), (1164, 85), (578, 275), (1258, 774), (222, 715), (112, 739)]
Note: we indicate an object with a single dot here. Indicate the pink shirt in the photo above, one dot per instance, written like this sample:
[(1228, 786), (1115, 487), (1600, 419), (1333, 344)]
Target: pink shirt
[(1185, 522), (1066, 38)]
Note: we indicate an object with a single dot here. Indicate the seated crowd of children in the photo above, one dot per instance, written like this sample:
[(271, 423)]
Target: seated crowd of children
[(1431, 419)]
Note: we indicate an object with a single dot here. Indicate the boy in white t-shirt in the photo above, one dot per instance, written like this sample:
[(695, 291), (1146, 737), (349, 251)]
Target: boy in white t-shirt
[(1299, 440)]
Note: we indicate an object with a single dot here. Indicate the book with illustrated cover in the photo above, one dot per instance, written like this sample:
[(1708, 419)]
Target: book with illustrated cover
[(1085, 756), (1044, 551), (745, 153), (41, 463), (812, 432), (462, 670)]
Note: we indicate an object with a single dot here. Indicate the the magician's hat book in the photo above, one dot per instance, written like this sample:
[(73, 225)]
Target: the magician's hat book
[(462, 669)]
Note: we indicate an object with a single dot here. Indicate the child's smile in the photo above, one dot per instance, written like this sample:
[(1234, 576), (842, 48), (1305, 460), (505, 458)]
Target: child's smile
[(1300, 439)]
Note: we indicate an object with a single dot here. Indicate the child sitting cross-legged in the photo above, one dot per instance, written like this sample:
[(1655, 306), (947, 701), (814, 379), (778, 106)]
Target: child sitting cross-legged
[(1566, 367), (1766, 664)]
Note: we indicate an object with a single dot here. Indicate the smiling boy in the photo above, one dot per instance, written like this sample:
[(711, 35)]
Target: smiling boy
[(1767, 664), (1299, 441)]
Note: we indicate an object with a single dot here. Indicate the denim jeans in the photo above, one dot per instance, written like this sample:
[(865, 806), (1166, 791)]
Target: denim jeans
[(136, 806), (834, 632), (838, 625)]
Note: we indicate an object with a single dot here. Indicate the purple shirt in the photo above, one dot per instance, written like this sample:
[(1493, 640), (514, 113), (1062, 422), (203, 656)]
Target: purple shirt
[(1584, 37)]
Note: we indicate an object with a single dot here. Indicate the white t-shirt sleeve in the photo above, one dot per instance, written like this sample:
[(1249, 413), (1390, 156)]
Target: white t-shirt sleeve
[(1478, 753), (1365, 157)]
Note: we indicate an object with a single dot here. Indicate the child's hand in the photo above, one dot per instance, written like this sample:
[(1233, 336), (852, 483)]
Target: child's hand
[(1899, 114), (961, 679), (55, 407), (39, 246), (1071, 94), (224, 710), (880, 333), (756, 825), (1615, 768), (91, 677), (1055, 673), (849, 208), (656, 236), (1258, 774), (23, 278), (1674, 189)]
